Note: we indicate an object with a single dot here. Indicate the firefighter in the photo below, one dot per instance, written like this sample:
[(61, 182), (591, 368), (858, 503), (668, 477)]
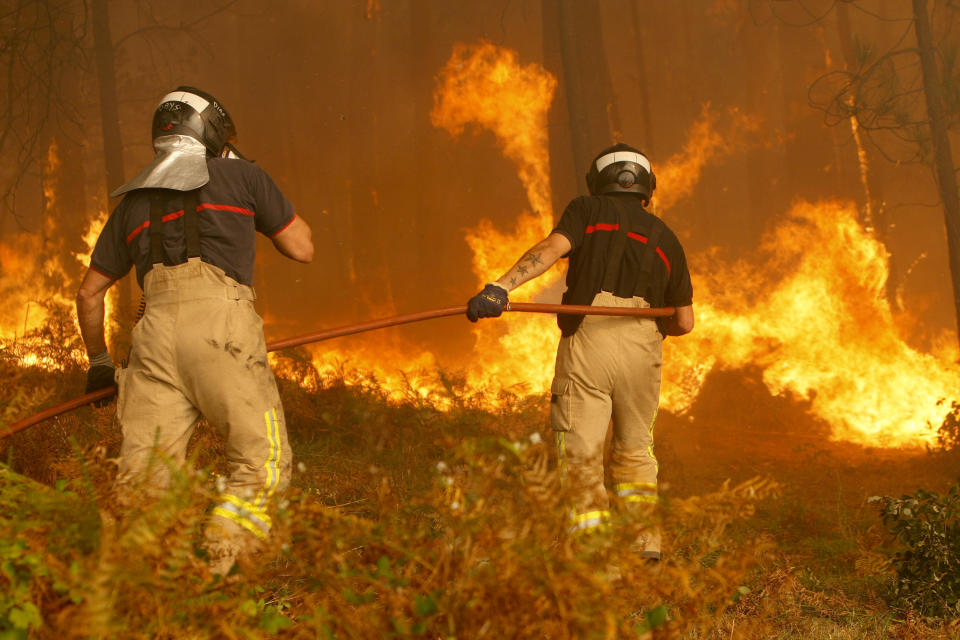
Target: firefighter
[(188, 223), (620, 255)]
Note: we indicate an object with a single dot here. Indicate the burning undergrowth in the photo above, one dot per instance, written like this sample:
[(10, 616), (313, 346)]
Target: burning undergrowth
[(807, 306), (406, 518)]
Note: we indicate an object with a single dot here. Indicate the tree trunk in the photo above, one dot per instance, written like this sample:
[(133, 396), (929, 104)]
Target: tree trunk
[(573, 89), (110, 122), (371, 270), (594, 115), (563, 177), (431, 248), (942, 159), (875, 217), (647, 143), (109, 116)]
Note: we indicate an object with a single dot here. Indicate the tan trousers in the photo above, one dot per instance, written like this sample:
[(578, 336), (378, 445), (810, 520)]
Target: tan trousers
[(199, 349), (610, 368)]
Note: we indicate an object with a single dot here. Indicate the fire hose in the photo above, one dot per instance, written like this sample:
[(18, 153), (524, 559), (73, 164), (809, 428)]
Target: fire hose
[(370, 325)]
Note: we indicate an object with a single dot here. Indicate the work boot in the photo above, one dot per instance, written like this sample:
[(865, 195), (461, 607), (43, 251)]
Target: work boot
[(222, 559), (647, 544), (612, 573), (224, 542)]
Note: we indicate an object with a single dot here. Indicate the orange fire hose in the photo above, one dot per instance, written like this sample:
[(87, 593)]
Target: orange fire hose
[(526, 307)]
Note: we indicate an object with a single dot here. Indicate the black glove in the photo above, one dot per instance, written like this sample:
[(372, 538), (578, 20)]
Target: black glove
[(489, 303), (99, 377)]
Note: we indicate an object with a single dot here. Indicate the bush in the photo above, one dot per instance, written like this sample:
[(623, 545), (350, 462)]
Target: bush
[(948, 434), (403, 520), (928, 571)]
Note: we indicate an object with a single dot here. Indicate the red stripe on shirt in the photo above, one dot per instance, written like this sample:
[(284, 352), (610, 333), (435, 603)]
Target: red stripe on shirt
[(284, 226), (226, 207), (136, 232), (664, 258), (166, 218), (179, 214), (604, 226), (93, 268)]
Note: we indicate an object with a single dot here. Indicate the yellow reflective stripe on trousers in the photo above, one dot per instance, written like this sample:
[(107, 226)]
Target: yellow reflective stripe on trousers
[(272, 464), (588, 520), (561, 455), (636, 491), (650, 448), (634, 486), (253, 519)]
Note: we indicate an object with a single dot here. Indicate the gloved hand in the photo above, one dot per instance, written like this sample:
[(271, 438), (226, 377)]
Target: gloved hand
[(489, 303), (100, 375)]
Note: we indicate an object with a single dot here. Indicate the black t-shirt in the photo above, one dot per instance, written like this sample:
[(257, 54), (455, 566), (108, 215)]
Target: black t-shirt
[(239, 200), (590, 224)]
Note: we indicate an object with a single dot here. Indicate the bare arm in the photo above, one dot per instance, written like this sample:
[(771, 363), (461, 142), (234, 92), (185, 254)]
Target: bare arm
[(295, 241), (90, 310), (679, 323), (536, 261)]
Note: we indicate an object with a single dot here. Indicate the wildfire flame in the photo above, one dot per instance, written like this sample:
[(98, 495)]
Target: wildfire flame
[(34, 277), (484, 85), (807, 307), (680, 173), (810, 310)]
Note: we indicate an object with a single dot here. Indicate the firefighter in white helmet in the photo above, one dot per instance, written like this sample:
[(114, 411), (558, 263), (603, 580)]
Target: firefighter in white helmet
[(187, 224), (607, 367)]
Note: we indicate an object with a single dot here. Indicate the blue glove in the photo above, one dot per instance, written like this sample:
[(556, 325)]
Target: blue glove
[(489, 303)]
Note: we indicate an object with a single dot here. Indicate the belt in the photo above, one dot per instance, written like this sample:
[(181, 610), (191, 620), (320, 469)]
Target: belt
[(226, 292)]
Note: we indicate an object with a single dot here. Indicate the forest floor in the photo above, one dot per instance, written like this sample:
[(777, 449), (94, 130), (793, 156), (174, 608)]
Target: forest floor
[(405, 520)]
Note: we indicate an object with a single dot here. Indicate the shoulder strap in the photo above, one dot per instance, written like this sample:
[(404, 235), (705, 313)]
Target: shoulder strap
[(617, 246), (191, 203), (646, 263), (156, 226)]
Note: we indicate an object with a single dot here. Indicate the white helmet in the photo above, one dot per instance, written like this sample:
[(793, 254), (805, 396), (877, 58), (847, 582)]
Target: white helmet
[(189, 126)]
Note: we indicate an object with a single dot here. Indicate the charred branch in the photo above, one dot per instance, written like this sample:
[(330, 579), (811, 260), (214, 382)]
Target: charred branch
[(40, 50)]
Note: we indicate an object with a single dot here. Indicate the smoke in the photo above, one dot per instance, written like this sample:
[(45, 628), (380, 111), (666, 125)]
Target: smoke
[(359, 113)]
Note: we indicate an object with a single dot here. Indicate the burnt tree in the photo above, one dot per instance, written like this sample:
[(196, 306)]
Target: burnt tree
[(574, 51), (41, 58), (902, 111), (942, 160)]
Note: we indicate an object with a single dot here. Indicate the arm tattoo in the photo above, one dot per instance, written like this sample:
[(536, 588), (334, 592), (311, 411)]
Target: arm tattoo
[(534, 258), (513, 282), (522, 270)]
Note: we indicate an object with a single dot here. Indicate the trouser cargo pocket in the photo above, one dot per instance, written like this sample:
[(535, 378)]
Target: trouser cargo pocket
[(561, 401)]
